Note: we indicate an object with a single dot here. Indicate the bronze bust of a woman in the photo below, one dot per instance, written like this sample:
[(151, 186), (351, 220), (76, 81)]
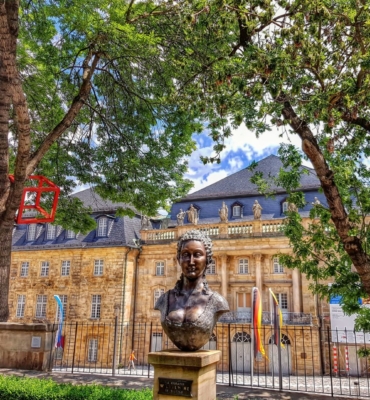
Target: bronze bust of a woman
[(189, 312)]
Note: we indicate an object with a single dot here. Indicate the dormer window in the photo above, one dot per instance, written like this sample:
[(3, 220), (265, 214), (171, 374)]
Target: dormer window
[(70, 234), (237, 210), (31, 232), (285, 206), (102, 226), (50, 232)]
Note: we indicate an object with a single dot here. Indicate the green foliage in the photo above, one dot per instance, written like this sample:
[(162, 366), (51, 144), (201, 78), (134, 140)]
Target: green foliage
[(363, 352), (15, 388)]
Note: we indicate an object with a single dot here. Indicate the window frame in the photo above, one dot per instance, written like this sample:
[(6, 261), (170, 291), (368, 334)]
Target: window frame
[(64, 300), (65, 270), (211, 270), (282, 300), (45, 269), (95, 306), (31, 232), (159, 268), (242, 268), (51, 232), (70, 234), (102, 229), (157, 294), (92, 351), (24, 272), (98, 267), (235, 207), (41, 305), (279, 269), (21, 306)]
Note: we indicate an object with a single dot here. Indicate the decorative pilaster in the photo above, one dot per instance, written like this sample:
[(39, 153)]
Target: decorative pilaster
[(296, 278), (224, 277), (257, 261)]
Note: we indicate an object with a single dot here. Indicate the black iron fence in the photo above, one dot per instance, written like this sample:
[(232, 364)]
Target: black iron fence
[(312, 359)]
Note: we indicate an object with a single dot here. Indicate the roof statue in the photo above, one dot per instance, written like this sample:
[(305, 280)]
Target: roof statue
[(223, 213), (257, 210)]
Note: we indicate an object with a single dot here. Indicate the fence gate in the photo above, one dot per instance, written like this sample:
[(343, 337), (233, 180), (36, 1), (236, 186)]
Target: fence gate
[(286, 356), (241, 352)]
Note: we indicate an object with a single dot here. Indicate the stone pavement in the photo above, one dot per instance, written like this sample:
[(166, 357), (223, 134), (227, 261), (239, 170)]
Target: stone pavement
[(224, 392)]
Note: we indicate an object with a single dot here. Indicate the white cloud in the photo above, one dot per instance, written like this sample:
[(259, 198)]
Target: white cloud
[(241, 149)]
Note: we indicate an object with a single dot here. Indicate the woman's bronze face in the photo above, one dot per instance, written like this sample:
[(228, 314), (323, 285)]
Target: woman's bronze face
[(193, 259)]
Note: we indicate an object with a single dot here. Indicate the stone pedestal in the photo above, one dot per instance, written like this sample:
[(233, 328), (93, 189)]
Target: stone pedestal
[(27, 346), (184, 374)]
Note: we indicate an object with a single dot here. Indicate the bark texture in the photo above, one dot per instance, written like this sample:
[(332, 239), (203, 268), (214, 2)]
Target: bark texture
[(310, 147), (13, 100)]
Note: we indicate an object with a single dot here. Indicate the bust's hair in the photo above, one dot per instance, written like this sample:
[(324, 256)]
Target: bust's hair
[(199, 236)]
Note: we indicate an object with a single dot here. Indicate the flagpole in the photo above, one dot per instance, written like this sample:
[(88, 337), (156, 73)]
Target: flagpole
[(252, 342), (279, 356)]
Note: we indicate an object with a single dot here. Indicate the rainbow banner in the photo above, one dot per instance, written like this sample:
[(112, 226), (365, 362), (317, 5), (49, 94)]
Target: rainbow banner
[(277, 318), (59, 342), (257, 322)]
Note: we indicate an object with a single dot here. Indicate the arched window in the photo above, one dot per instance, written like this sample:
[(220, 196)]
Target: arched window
[(284, 340), (102, 226), (242, 337), (212, 268), (285, 206)]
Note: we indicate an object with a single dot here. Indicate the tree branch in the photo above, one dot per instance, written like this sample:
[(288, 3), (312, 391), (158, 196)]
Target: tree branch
[(352, 244), (71, 114)]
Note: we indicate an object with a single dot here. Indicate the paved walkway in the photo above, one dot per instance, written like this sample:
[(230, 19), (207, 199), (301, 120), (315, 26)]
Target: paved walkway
[(224, 392)]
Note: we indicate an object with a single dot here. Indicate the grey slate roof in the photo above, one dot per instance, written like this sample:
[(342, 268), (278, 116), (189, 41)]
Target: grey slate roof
[(91, 199), (239, 184), (121, 233)]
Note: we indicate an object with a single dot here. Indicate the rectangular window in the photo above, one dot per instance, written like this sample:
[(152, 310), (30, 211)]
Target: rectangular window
[(51, 231), (157, 294), (41, 302), (95, 306), (92, 355), (21, 304), (70, 234), (98, 267), (278, 268), (25, 266), (102, 226), (283, 301), (31, 232), (212, 268), (236, 211), (44, 268), (243, 266), (243, 301), (63, 299), (159, 268), (66, 266)]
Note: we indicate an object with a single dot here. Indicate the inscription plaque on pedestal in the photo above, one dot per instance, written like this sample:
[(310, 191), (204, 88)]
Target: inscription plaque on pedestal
[(175, 387)]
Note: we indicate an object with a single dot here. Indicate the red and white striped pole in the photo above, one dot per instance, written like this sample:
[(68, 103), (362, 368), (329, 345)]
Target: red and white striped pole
[(335, 359), (347, 360)]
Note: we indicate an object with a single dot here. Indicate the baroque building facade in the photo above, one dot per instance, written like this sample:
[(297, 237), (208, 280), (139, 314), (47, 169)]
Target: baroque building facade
[(116, 272)]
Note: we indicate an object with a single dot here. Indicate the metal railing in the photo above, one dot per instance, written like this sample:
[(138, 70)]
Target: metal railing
[(312, 359), (289, 318)]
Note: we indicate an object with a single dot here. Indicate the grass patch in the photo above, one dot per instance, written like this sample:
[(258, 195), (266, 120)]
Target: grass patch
[(16, 388)]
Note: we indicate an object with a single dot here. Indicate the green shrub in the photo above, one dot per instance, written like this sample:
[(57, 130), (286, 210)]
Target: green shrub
[(15, 388)]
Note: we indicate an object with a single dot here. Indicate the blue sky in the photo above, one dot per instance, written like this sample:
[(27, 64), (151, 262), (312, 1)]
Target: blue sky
[(241, 149)]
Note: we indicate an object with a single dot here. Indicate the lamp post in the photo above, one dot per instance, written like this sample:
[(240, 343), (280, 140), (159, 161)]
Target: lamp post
[(116, 314)]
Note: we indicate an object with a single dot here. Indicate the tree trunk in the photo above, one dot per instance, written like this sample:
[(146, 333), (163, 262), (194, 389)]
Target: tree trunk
[(5, 260), (351, 244)]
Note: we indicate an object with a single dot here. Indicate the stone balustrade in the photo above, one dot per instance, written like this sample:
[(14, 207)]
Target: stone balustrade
[(221, 230)]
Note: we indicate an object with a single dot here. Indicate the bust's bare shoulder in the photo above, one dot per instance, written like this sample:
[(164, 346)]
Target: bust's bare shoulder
[(219, 302)]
